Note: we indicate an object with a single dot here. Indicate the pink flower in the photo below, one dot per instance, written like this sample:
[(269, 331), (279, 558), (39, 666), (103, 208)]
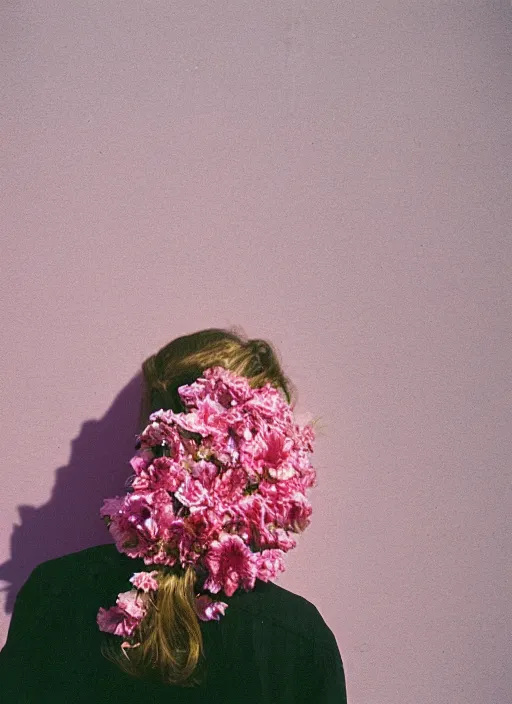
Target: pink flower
[(188, 556), (209, 610), (229, 486), (282, 540), (218, 383), (306, 473), (270, 563), (275, 454), (223, 383), (122, 619), (231, 564), (132, 604), (210, 485), (162, 473), (269, 403), (226, 448), (116, 621), (204, 524), (141, 460), (205, 472), (161, 431), (192, 493), (299, 512), (145, 580), (138, 509), (284, 471), (250, 518), (161, 554), (208, 415), (152, 435), (143, 521), (112, 506), (306, 437)]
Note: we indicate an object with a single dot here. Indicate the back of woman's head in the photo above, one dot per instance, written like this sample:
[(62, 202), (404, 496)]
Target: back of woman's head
[(171, 646), (184, 359)]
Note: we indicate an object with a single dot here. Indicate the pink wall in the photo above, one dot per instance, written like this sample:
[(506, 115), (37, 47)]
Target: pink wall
[(334, 177)]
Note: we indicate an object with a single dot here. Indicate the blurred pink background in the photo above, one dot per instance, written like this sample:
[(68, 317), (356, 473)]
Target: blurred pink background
[(334, 177)]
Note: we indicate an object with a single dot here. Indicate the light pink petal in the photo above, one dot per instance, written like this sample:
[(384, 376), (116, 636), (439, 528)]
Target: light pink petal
[(132, 604), (145, 580), (208, 609), (116, 621), (270, 563), (231, 565), (111, 506)]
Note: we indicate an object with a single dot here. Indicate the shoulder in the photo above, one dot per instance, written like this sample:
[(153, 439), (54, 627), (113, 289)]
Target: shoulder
[(294, 614), (96, 552), (79, 566), (287, 610), (72, 579), (78, 559)]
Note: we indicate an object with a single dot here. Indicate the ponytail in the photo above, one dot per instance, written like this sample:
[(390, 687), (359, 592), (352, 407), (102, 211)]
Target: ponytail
[(171, 643)]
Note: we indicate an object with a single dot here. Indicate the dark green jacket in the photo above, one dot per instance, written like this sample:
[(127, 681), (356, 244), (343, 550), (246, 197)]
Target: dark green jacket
[(271, 646)]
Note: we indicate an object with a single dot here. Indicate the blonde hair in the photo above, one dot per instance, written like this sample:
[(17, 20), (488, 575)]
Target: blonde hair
[(170, 635)]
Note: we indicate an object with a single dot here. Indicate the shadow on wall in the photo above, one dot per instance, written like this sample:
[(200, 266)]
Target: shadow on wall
[(70, 521)]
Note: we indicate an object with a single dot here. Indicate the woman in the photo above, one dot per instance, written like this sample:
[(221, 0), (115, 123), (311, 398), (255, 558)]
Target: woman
[(258, 644)]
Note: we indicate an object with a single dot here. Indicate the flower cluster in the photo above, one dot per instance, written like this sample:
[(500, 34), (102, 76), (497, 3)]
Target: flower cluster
[(219, 487)]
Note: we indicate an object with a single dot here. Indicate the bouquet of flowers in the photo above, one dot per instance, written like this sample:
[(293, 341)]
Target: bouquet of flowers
[(219, 487)]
